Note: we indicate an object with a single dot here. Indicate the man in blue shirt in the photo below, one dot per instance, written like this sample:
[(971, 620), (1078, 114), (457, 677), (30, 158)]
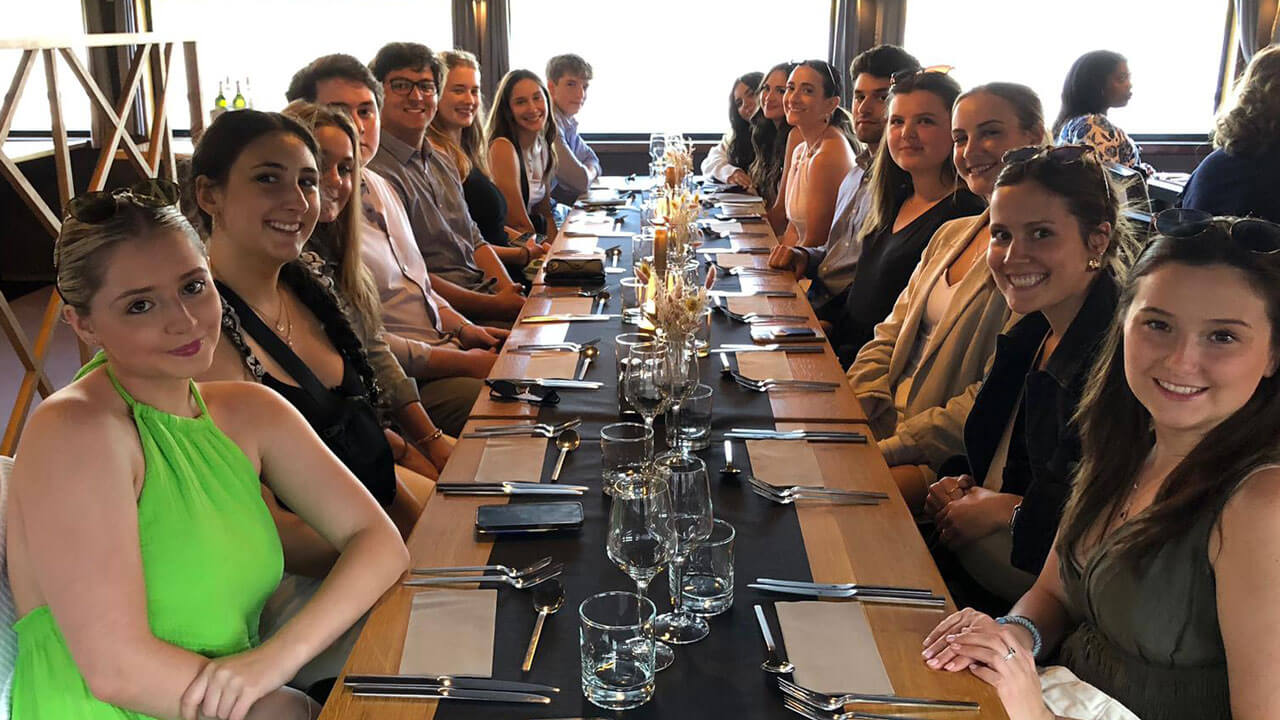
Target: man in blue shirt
[(577, 166)]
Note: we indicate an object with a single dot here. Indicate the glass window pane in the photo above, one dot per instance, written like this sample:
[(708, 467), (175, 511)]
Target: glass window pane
[(242, 39), (57, 18), (1173, 52), (664, 64)]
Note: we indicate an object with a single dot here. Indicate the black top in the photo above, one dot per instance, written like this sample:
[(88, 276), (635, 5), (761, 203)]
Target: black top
[(343, 416), (1045, 446), (487, 206), (1238, 185), (885, 266)]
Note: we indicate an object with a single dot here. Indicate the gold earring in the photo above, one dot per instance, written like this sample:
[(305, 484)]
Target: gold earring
[(1095, 263)]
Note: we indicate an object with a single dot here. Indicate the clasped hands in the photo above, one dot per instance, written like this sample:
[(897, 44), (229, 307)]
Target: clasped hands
[(999, 655), (964, 511)]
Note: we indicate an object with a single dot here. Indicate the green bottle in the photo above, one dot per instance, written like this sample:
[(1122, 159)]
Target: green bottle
[(220, 102), (238, 103)]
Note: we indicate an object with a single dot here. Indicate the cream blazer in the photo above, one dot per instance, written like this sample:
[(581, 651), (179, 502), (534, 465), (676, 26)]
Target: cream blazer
[(952, 365)]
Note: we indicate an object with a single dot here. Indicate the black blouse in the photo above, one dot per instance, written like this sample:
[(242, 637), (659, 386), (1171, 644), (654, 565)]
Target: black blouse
[(887, 261), (487, 206)]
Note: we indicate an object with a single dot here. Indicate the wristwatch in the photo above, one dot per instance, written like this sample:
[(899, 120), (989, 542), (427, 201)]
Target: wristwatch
[(1013, 518)]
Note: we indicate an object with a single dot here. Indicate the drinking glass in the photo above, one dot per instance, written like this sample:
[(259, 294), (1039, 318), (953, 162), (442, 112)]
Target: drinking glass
[(688, 524), (689, 424), (680, 374), (625, 449), (634, 294), (657, 147), (702, 334), (615, 642), (622, 345), (635, 545), (646, 380), (642, 252), (708, 576)]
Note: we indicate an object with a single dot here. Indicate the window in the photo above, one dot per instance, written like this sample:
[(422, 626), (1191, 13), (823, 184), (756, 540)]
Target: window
[(1174, 51), (57, 18), (259, 44), (665, 64)]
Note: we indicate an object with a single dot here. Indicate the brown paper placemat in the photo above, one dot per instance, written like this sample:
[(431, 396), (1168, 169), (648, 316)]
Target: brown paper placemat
[(577, 305), (450, 633), (761, 365), (554, 364), (751, 303), (832, 647), (511, 459), (729, 260), (784, 462)]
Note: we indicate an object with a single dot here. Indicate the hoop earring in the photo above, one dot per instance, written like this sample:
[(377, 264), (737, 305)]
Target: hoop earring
[(1095, 263)]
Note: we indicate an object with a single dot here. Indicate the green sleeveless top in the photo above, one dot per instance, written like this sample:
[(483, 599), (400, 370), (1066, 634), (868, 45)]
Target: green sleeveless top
[(1148, 634), (210, 557)]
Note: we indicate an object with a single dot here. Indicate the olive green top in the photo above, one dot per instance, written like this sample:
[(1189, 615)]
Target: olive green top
[(210, 559)]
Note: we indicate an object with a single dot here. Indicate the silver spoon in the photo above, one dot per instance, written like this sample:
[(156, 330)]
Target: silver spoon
[(613, 253), (588, 353), (548, 597), (729, 473), (602, 297), (567, 441)]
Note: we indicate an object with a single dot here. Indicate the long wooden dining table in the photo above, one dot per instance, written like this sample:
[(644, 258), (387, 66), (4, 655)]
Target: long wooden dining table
[(721, 675)]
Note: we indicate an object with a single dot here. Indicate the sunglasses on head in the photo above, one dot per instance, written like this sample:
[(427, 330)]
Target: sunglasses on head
[(508, 391), (1252, 234), (100, 206), (908, 77), (1062, 154)]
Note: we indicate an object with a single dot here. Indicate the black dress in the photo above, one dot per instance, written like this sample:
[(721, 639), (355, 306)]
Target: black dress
[(487, 206), (887, 260)]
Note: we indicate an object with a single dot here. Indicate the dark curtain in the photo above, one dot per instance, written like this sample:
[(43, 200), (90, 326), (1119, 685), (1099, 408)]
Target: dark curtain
[(858, 25), (481, 27)]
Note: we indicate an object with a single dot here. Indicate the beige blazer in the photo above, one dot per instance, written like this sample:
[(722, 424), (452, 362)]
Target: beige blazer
[(952, 365)]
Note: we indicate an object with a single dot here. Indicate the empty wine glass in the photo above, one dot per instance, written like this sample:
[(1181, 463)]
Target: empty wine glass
[(688, 523), (681, 378), (644, 380), (657, 146), (635, 544)]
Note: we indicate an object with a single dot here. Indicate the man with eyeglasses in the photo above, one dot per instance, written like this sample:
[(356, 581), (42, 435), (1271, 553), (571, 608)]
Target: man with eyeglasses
[(831, 266), (466, 269)]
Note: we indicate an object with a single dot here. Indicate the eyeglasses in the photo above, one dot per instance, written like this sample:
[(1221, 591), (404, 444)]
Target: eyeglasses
[(508, 391), (1252, 234), (909, 76), (401, 86), (100, 206)]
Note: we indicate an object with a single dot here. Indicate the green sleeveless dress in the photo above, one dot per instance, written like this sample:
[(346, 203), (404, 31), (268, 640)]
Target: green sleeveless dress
[(210, 557)]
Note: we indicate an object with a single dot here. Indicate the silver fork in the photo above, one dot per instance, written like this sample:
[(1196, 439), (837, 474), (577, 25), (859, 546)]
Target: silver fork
[(768, 384), (824, 701), (794, 490), (520, 583), (555, 347), (505, 570), (753, 317), (813, 713), (544, 429), (821, 497)]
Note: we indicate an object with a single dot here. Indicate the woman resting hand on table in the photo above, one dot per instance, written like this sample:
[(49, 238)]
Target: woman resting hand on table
[(1169, 538), (522, 155), (1057, 245), (917, 375), (139, 560)]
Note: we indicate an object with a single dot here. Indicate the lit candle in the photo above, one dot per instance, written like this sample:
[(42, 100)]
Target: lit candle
[(659, 251)]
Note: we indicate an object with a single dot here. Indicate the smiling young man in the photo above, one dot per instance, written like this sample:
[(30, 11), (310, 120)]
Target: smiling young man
[(466, 268), (832, 265), (568, 77)]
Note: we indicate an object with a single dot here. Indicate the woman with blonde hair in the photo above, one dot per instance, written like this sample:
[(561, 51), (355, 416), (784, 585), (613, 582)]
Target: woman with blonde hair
[(522, 134), (1240, 176)]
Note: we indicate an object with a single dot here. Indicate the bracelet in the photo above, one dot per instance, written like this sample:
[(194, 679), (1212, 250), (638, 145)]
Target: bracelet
[(1036, 643), (1013, 517), (431, 437)]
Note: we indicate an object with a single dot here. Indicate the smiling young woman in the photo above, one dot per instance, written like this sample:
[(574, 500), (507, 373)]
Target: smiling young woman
[(522, 134)]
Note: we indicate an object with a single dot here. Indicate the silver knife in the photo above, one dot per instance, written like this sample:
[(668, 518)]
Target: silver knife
[(772, 347), (871, 589), (752, 293), (558, 490), (446, 693), (569, 317), (768, 434), (457, 681), (735, 251), (932, 601), (556, 383)]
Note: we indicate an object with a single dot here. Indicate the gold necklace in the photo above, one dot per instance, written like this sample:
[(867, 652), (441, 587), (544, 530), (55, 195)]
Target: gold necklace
[(283, 322)]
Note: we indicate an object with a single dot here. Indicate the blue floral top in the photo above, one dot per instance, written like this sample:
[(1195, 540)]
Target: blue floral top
[(1113, 145)]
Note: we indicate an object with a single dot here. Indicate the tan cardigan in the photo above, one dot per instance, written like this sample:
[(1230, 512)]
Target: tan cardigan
[(952, 365)]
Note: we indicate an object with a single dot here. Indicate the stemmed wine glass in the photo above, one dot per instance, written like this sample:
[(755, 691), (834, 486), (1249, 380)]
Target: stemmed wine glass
[(634, 543), (680, 380), (657, 147), (688, 523), (644, 379)]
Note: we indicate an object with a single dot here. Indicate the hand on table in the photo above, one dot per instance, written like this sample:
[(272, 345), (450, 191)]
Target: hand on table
[(944, 490), (228, 687), (475, 336), (536, 249), (508, 301), (998, 658), (786, 257), (977, 514), (741, 179)]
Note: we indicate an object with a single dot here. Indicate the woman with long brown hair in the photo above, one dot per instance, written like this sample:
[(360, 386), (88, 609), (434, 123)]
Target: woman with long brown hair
[(522, 134), (1156, 590)]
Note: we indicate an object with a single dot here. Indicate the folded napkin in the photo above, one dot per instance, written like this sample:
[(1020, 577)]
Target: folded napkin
[(450, 633), (761, 365), (572, 304), (511, 459), (784, 462), (832, 647), (729, 260), (749, 304)]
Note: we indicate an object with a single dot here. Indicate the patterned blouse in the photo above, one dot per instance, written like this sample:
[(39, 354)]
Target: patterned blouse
[(1113, 145)]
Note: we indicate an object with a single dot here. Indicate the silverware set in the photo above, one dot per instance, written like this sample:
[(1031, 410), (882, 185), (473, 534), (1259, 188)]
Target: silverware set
[(519, 582), (500, 569), (754, 318), (825, 701), (751, 293), (772, 384), (528, 428), (509, 489), (835, 436), (449, 687), (851, 591), (709, 252), (559, 383), (790, 495), (771, 347), (737, 270), (556, 347)]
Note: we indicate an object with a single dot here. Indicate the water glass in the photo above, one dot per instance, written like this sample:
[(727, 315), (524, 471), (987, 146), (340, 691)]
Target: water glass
[(634, 295), (615, 637), (642, 249), (622, 345), (689, 424), (625, 449), (708, 576), (702, 334)]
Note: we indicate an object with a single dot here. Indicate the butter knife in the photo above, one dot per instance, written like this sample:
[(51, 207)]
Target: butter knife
[(445, 693), (569, 317), (457, 681), (772, 347)]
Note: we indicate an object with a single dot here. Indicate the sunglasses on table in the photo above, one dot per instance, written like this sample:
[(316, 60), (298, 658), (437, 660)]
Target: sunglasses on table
[(907, 78), (507, 391), (1253, 234), (100, 206)]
